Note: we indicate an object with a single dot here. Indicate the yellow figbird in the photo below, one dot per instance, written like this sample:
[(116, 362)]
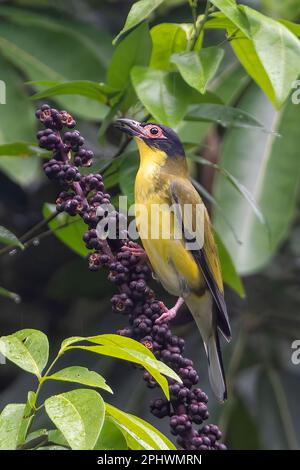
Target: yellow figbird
[(194, 275)]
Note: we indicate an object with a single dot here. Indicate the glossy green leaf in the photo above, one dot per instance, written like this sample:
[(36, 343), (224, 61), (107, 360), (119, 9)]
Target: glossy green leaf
[(134, 347), (94, 91), (128, 350), (234, 13), (272, 57), (11, 421), (111, 437), (293, 27), (79, 415), (225, 116), (267, 165), (198, 68), (81, 375), (135, 49), (28, 349), (167, 39), (164, 94), (56, 437), (130, 356), (9, 238), (67, 229), (140, 431), (139, 11)]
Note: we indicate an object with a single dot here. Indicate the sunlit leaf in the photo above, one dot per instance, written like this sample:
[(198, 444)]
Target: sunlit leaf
[(198, 68), (167, 39), (79, 415), (111, 437), (140, 431), (28, 349), (139, 11), (11, 420), (82, 376)]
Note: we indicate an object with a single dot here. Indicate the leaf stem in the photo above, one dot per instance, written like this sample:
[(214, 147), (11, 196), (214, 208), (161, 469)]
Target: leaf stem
[(24, 237), (199, 26)]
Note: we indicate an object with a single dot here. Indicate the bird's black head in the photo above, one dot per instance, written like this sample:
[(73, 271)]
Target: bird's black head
[(154, 135)]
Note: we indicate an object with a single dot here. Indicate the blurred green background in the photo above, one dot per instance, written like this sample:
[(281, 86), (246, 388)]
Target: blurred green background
[(72, 40)]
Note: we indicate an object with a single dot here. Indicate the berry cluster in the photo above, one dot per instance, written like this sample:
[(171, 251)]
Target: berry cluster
[(127, 269)]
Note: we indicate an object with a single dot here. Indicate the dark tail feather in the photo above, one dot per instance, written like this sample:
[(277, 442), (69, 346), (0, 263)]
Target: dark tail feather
[(216, 368)]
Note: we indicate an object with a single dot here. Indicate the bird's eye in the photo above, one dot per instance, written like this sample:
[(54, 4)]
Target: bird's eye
[(153, 130)]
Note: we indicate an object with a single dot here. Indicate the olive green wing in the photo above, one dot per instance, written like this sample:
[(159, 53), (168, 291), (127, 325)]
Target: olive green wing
[(205, 254)]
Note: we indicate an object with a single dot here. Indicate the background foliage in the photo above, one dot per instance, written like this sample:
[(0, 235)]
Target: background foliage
[(239, 127)]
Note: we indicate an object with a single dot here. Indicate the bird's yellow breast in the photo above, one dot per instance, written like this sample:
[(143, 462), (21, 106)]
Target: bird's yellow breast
[(172, 263)]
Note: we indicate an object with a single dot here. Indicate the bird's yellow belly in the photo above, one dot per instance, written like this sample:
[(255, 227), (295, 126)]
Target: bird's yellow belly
[(172, 263)]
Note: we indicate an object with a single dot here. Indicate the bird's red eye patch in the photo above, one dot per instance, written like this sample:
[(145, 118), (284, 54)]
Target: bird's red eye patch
[(153, 132)]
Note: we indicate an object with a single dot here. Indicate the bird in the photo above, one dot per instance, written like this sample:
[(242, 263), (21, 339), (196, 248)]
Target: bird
[(184, 258)]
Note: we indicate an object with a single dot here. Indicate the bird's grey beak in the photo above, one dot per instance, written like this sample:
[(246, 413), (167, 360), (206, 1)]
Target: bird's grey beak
[(130, 127)]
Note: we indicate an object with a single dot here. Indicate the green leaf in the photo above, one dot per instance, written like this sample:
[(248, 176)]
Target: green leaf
[(31, 399), (73, 339), (135, 49), (167, 39), (23, 171), (293, 27), (9, 238), (28, 348), (111, 438), (94, 91), (67, 229), (35, 438), (139, 11), (54, 447), (225, 116), (22, 149), (229, 272), (79, 415), (244, 431), (272, 57), (272, 180), (39, 51), (164, 94), (11, 422), (145, 435), (198, 68), (234, 13), (128, 350), (130, 356), (135, 348), (96, 41), (80, 375), (10, 295), (56, 437)]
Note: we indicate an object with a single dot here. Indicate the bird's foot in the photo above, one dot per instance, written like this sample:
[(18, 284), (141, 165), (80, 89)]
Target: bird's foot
[(169, 314), (135, 250)]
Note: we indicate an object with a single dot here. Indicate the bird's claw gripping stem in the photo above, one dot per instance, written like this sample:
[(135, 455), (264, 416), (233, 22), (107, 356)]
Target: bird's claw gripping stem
[(136, 250), (171, 313)]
